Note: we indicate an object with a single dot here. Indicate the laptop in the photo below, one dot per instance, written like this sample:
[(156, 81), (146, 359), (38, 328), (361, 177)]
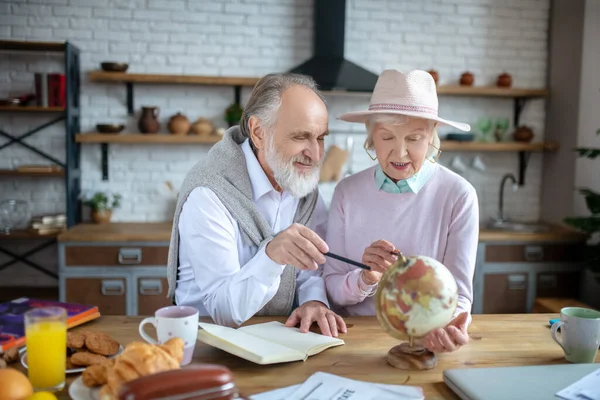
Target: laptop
[(539, 382)]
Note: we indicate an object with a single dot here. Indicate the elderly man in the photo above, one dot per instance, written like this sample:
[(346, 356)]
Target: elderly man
[(248, 227)]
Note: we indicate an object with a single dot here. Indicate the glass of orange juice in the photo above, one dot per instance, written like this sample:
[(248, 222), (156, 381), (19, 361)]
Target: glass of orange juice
[(46, 340)]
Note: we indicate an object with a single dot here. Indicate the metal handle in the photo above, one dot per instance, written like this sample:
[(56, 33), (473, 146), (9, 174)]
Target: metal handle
[(130, 256), (113, 288), (534, 253), (150, 287), (516, 282)]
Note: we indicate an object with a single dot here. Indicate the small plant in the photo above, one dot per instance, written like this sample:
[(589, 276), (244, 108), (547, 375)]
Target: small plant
[(590, 224), (233, 114), (101, 201)]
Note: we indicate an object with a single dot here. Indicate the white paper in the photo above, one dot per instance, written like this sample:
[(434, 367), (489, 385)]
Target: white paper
[(587, 388), (324, 386)]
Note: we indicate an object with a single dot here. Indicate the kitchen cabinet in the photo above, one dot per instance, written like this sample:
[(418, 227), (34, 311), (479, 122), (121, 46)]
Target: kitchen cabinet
[(509, 275), (120, 277)]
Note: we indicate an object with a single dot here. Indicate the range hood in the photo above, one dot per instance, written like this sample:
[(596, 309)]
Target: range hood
[(328, 67)]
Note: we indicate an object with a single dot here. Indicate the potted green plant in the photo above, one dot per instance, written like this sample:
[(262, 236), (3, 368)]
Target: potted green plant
[(102, 204), (590, 225), (233, 114)]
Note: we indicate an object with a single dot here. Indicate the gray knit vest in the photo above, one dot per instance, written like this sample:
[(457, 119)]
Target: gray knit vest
[(224, 172)]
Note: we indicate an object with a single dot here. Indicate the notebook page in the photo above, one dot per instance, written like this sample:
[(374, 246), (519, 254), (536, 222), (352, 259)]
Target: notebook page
[(246, 346), (587, 388), (308, 343)]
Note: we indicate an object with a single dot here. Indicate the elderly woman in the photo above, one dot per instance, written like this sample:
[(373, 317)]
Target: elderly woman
[(406, 202)]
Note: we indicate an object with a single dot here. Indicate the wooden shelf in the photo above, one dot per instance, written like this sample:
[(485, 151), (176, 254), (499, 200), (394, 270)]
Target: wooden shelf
[(451, 145), (490, 91), (28, 234), (159, 138), (17, 45), (12, 172), (456, 90), (102, 76), (34, 109)]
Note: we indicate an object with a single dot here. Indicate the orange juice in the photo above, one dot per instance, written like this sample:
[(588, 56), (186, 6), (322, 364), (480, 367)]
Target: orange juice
[(46, 353)]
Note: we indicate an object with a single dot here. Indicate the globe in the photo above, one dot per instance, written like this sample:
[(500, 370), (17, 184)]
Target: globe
[(416, 295)]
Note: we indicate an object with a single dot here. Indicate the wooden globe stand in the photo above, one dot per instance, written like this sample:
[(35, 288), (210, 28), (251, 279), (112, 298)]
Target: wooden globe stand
[(411, 358)]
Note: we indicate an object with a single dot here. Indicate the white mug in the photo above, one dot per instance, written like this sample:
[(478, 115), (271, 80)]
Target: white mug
[(580, 334), (174, 321)]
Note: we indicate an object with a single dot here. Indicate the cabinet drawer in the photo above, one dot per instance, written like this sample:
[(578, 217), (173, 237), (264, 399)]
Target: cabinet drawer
[(558, 284), (151, 294), (531, 253), (505, 293), (131, 256), (109, 294)]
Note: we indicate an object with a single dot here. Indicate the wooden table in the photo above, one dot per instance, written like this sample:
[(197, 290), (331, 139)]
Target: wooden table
[(496, 340)]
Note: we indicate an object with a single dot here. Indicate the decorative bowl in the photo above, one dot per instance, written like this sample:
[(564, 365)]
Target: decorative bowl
[(114, 66), (109, 128), (460, 137)]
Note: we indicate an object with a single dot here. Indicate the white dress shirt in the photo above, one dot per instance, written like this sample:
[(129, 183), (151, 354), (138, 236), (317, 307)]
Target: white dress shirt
[(221, 275)]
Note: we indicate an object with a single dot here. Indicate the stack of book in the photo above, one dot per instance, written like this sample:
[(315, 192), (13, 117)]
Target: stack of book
[(50, 89), (12, 318), (48, 224)]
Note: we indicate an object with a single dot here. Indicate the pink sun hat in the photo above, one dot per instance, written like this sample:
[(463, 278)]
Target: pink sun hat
[(413, 94)]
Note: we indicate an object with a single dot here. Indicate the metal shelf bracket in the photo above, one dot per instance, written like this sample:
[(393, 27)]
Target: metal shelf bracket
[(104, 154)]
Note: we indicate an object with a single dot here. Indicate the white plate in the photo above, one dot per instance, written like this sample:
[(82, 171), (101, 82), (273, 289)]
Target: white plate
[(23, 353), (78, 391)]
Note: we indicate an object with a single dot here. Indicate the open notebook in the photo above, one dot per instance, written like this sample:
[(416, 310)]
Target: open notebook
[(267, 343)]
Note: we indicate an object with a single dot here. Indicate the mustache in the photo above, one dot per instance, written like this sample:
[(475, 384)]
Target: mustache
[(306, 161)]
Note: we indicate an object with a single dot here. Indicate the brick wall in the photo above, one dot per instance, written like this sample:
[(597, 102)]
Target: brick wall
[(251, 38)]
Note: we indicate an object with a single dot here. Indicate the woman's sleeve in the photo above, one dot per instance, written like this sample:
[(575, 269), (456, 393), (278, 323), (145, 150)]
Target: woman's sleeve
[(343, 282), (461, 248)]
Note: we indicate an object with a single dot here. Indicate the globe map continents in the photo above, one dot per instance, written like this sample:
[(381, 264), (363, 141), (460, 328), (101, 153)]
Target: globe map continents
[(415, 296)]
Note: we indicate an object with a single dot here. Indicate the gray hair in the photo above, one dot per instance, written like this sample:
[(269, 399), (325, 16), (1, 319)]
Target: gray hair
[(395, 119), (265, 100)]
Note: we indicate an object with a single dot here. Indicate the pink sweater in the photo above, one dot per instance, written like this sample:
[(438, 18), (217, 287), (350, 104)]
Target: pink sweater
[(441, 221)]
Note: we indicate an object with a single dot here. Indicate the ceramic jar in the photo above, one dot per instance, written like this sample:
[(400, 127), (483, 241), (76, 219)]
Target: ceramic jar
[(179, 124), (523, 134), (467, 79), (148, 122), (202, 127), (434, 74), (101, 216), (504, 80)]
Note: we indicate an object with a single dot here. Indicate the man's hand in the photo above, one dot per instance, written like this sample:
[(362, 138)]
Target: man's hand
[(449, 338), (297, 246), (311, 311), (379, 257)]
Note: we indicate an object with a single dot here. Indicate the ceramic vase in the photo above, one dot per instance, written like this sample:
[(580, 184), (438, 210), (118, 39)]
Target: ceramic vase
[(101, 216), (148, 122)]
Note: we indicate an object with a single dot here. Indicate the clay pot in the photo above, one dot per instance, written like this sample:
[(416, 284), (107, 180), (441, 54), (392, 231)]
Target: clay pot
[(467, 79), (504, 80), (523, 134), (434, 74), (202, 127), (101, 216), (179, 124), (148, 122)]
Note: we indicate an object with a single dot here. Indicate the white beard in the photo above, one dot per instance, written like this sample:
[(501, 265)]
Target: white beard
[(287, 176)]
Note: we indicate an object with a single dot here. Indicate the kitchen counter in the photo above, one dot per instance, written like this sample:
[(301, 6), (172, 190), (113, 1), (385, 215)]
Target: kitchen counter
[(161, 232)]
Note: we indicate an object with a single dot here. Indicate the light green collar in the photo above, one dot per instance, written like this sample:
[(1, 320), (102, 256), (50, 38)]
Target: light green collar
[(410, 185)]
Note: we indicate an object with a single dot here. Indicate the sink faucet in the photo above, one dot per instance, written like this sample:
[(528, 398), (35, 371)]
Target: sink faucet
[(500, 216)]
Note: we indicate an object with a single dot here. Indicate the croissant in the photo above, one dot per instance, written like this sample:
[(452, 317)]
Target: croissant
[(141, 359)]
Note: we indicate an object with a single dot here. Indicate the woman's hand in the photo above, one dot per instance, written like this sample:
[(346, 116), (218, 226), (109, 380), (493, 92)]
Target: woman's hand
[(450, 338), (379, 256)]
